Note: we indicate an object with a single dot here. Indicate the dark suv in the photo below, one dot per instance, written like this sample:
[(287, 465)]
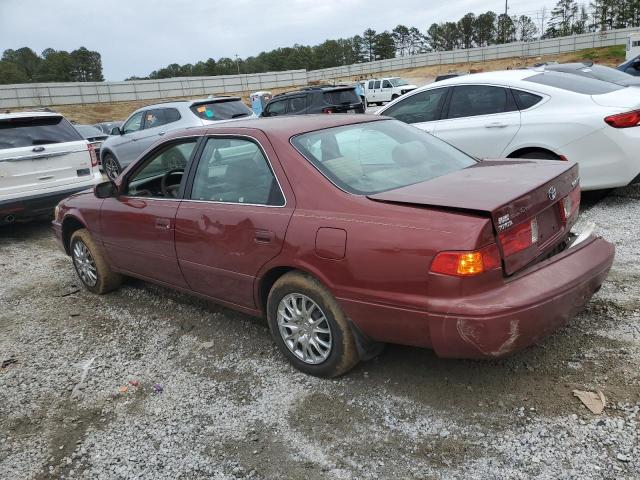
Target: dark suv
[(315, 100)]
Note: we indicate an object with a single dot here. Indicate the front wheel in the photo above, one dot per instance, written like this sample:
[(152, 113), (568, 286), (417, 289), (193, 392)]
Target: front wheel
[(111, 166), (90, 264), (309, 326)]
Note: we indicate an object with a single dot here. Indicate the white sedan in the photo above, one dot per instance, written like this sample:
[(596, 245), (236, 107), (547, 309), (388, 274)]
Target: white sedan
[(534, 114)]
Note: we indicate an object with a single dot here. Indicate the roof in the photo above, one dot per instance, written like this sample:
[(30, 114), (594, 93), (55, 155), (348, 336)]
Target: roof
[(285, 126), (179, 103), (5, 116), (499, 76)]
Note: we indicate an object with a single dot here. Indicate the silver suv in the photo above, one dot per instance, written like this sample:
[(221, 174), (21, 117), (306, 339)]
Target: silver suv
[(147, 125)]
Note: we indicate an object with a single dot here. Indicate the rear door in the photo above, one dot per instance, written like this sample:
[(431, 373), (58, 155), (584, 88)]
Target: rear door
[(155, 125), (41, 152), (233, 219), (480, 120)]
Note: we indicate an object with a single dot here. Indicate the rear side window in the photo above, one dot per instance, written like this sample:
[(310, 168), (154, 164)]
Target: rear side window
[(221, 110), (421, 107), (33, 131), (341, 97), (370, 84), (297, 104), (525, 99), (574, 83), (160, 116), (276, 108), (473, 100)]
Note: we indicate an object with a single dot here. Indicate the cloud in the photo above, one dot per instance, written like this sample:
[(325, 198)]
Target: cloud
[(135, 37)]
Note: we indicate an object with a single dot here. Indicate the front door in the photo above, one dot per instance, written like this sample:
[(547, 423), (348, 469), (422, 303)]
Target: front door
[(233, 219), (481, 120), (127, 148), (138, 226), (420, 109)]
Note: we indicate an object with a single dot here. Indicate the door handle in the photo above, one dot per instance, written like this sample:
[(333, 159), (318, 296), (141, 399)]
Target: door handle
[(134, 139), (163, 223), (496, 125), (161, 133), (263, 236)]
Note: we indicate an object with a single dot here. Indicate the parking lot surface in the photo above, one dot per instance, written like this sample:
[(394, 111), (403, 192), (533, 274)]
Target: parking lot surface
[(151, 384)]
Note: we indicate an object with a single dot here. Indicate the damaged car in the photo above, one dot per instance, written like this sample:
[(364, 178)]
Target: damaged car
[(346, 233)]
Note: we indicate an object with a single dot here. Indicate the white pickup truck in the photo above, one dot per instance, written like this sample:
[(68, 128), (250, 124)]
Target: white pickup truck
[(380, 90)]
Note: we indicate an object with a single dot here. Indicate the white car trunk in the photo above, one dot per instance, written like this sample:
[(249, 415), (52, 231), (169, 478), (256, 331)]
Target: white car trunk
[(626, 98)]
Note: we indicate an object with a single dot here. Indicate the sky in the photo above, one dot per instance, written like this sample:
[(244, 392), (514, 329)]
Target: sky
[(136, 37)]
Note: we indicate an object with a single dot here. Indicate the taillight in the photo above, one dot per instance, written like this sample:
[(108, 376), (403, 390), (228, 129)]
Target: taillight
[(328, 110), (570, 204), (624, 120), (92, 154), (519, 237), (466, 263)]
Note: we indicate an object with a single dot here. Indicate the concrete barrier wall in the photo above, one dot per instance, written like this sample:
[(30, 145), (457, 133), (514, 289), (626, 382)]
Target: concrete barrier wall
[(46, 94), (517, 49)]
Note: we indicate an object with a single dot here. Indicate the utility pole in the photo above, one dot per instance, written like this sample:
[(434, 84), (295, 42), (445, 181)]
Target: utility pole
[(541, 17), (504, 21)]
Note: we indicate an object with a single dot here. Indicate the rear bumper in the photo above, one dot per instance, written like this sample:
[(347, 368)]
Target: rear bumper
[(500, 321), (34, 205)]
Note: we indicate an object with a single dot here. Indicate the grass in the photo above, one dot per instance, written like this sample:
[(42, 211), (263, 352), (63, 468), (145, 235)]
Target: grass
[(615, 53)]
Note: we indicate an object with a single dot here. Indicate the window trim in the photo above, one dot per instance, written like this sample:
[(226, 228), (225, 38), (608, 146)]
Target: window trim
[(188, 186), (142, 122), (543, 98)]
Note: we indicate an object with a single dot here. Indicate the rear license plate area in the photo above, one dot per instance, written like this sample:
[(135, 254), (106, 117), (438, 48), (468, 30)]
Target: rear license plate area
[(549, 225)]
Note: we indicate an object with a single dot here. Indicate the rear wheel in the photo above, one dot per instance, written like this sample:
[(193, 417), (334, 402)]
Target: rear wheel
[(394, 96), (539, 155), (111, 166), (90, 264), (309, 326)]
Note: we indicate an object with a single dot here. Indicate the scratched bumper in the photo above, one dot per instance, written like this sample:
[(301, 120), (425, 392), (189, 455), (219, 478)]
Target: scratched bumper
[(525, 309)]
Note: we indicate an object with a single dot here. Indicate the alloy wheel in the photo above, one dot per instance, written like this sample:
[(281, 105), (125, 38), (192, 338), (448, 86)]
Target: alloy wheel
[(111, 168), (84, 263), (304, 328)]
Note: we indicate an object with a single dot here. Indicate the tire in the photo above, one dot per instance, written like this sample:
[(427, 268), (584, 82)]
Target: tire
[(539, 155), (111, 166), (394, 96), (88, 258), (294, 288)]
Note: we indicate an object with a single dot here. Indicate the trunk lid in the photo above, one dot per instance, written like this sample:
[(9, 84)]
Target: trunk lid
[(626, 98), (40, 153), (511, 192)]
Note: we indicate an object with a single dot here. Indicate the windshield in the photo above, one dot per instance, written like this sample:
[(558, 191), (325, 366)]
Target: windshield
[(221, 110), (398, 82), (373, 157), (33, 131)]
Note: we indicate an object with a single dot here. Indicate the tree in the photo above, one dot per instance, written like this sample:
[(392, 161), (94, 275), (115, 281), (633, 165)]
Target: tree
[(485, 28), (26, 60), (369, 43), (384, 46), (506, 29), (526, 30), (11, 73), (401, 39), (466, 27), (417, 41), (563, 17)]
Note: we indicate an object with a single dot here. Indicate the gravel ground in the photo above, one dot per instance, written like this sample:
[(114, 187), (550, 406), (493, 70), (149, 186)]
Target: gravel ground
[(231, 407)]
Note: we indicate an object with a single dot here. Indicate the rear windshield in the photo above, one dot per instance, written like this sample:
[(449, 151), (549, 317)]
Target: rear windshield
[(368, 158), (605, 73), (345, 96), (574, 83), (221, 110), (89, 131), (32, 131)]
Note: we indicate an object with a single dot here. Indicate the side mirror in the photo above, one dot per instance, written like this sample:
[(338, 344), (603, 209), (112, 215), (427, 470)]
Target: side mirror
[(105, 189), (116, 131)]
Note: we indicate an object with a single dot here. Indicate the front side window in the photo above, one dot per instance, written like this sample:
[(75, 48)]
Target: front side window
[(161, 175), (133, 124), (373, 157), (473, 100), (277, 108), (386, 84), (297, 104), (420, 107), (34, 131), (234, 170)]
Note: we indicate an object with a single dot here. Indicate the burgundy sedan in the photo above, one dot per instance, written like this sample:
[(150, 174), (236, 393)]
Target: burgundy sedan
[(346, 232)]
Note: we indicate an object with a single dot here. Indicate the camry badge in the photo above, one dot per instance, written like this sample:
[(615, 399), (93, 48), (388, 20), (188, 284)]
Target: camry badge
[(552, 193)]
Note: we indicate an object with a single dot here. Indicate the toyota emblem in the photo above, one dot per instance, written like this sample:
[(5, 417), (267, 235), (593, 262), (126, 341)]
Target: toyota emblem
[(552, 193)]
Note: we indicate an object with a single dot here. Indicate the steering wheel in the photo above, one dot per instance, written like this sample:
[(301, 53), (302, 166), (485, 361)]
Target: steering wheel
[(170, 190)]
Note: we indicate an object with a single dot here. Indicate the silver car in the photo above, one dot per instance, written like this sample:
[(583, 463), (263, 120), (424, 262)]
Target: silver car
[(147, 125)]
